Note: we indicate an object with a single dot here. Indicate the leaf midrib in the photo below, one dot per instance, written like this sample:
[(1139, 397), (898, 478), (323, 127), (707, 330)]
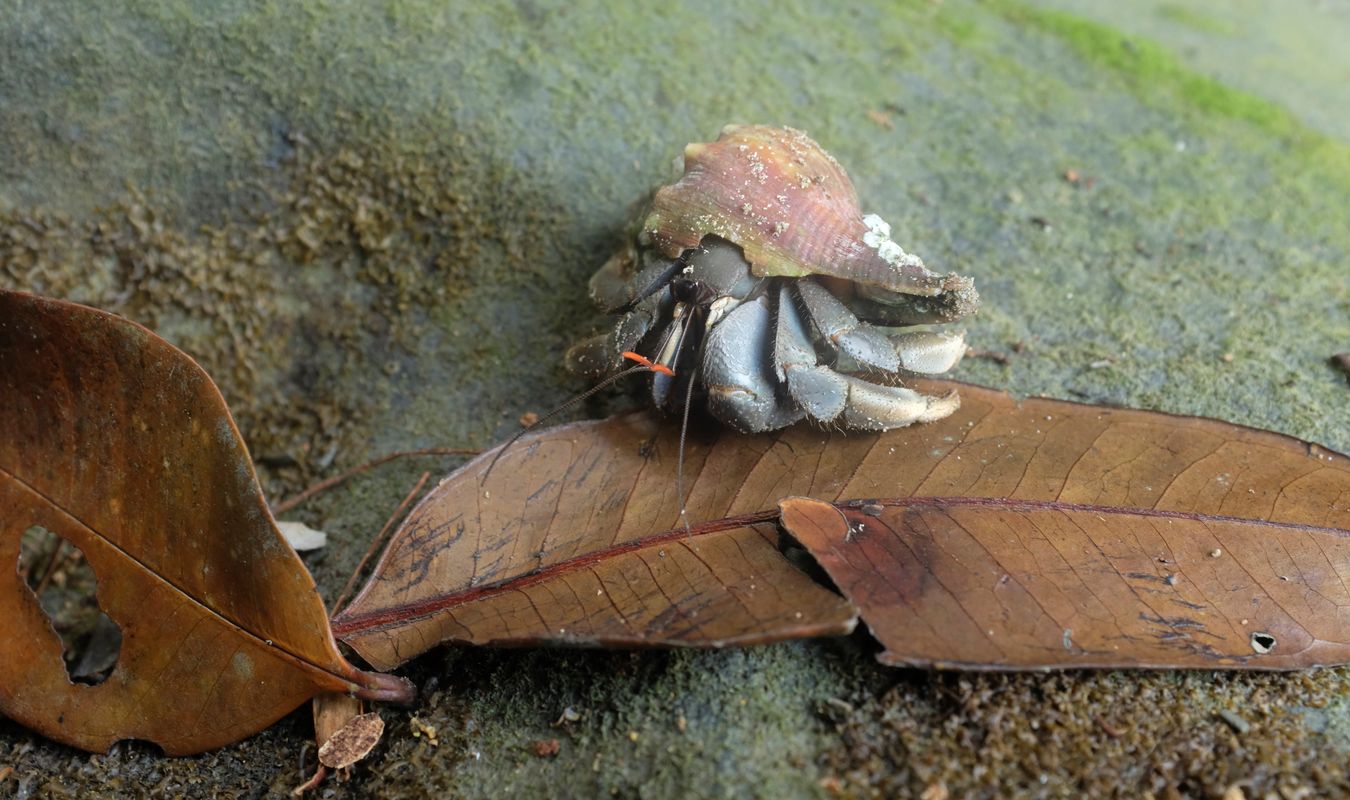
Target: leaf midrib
[(345, 625), (261, 641)]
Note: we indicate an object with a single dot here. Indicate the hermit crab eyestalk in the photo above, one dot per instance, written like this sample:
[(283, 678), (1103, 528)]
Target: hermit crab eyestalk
[(790, 303)]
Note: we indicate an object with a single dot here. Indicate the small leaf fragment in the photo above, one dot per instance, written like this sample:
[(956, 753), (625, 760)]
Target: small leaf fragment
[(332, 712), (301, 537), (352, 742)]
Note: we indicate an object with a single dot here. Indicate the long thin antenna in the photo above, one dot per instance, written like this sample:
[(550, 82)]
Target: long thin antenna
[(679, 464), (642, 366)]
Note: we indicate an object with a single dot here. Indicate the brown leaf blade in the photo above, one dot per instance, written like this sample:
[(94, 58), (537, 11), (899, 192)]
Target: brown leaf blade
[(1009, 585), (118, 442), (579, 489), (716, 585)]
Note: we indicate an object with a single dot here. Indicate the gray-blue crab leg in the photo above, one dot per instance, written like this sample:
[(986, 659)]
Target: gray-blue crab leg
[(634, 326), (610, 286), (603, 352), (873, 407), (738, 373), (818, 390), (628, 278), (929, 352), (591, 357), (838, 325), (827, 395)]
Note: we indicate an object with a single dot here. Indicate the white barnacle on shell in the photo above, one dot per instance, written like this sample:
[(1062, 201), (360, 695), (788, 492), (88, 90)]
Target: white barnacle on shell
[(878, 237), (878, 230)]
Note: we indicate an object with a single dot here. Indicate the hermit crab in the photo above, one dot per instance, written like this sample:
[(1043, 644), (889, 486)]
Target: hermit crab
[(756, 285)]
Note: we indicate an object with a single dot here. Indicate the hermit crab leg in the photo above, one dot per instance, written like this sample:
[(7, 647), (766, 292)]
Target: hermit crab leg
[(601, 353), (611, 287), (860, 341), (591, 357), (614, 288), (873, 407), (825, 395), (930, 352), (737, 372), (634, 326), (819, 391)]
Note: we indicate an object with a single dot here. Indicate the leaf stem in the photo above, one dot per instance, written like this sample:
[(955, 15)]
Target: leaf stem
[(377, 541), (328, 483), (59, 556)]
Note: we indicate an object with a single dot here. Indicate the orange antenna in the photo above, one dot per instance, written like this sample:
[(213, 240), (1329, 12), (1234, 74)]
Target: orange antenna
[(648, 363)]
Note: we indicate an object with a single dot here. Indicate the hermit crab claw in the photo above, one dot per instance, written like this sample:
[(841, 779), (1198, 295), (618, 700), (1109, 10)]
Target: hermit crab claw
[(760, 277)]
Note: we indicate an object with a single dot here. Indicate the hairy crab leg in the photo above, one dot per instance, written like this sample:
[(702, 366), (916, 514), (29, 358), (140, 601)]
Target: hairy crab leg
[(742, 390), (894, 310), (820, 391), (873, 407), (841, 328), (930, 352)]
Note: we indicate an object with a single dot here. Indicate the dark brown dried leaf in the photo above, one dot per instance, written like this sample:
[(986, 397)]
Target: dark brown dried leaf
[(975, 583), (584, 508), (115, 440), (717, 585)]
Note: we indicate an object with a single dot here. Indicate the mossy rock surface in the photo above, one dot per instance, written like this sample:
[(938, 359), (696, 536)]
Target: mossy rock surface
[(373, 224)]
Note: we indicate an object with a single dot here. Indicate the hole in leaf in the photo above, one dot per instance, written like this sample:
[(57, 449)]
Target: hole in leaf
[(64, 584), (800, 558), (1262, 642), (129, 749)]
